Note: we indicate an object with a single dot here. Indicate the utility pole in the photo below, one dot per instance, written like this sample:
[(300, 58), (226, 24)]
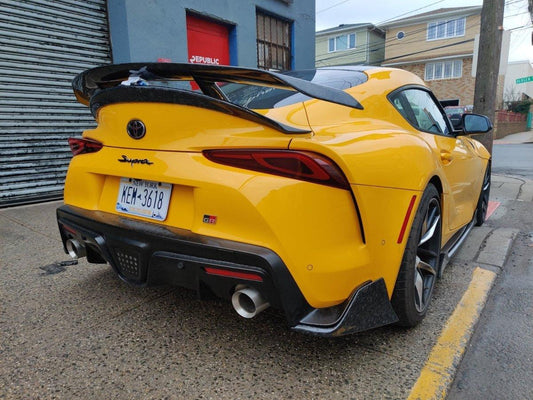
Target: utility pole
[(488, 63)]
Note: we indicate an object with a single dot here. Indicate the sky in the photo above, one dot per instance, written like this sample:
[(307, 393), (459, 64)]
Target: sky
[(331, 13)]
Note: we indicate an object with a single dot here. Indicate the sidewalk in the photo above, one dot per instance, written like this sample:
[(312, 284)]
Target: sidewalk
[(516, 138), (499, 356)]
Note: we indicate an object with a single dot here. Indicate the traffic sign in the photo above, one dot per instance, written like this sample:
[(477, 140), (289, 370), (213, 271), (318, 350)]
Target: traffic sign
[(525, 79)]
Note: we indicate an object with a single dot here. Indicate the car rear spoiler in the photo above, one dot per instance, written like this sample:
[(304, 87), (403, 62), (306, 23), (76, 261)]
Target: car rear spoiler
[(87, 83)]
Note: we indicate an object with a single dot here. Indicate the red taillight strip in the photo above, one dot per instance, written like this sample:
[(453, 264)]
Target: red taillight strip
[(233, 274), (406, 219), (301, 165), (83, 146)]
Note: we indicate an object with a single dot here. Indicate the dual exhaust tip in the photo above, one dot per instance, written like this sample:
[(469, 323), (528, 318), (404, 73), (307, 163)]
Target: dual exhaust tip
[(246, 301), (75, 249)]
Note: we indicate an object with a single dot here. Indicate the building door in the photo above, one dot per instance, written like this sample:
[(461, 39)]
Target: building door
[(207, 41)]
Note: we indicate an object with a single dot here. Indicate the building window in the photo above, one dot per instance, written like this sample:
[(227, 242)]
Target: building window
[(342, 42), (444, 70), (273, 43), (445, 29)]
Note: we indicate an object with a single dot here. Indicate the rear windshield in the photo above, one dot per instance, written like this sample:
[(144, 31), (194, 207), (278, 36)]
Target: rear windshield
[(262, 97), (257, 96)]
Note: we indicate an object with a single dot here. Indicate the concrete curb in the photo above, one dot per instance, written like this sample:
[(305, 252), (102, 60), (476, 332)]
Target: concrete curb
[(439, 371), (493, 252)]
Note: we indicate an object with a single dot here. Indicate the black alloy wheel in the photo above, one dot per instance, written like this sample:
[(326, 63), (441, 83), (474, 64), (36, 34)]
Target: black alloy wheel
[(420, 263), (483, 202)]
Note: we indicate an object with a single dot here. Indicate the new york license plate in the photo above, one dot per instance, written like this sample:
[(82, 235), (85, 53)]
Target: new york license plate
[(147, 199)]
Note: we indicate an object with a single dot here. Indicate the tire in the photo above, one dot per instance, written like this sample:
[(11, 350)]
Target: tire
[(483, 202), (420, 263)]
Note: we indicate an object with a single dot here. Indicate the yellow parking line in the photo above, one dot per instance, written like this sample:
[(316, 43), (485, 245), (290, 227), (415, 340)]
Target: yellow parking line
[(439, 370)]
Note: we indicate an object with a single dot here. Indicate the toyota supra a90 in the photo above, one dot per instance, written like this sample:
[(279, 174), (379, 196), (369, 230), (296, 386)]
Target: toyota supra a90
[(335, 195)]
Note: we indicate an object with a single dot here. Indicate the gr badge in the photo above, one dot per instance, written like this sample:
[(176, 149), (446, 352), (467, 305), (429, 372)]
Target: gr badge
[(210, 219)]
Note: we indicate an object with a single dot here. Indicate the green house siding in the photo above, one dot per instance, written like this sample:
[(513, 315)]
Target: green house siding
[(369, 48)]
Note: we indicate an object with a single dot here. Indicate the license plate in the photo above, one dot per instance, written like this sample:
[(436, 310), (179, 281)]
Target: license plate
[(147, 199)]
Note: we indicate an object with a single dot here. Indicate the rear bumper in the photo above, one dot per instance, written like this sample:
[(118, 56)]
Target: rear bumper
[(143, 254)]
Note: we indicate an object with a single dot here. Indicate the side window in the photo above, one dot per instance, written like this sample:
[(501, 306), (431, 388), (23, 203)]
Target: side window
[(418, 107)]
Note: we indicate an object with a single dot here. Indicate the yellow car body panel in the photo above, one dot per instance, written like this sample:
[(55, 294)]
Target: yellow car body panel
[(186, 129), (247, 206), (332, 241)]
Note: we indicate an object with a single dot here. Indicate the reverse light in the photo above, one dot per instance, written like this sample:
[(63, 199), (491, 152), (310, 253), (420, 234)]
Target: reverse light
[(83, 146), (301, 165)]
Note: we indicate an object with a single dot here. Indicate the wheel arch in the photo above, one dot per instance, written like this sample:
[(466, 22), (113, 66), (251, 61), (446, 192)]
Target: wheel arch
[(436, 181)]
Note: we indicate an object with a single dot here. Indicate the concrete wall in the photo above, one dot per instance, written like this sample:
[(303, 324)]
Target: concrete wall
[(145, 30)]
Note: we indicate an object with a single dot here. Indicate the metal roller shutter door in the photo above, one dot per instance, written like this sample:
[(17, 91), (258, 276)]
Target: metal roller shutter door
[(44, 45)]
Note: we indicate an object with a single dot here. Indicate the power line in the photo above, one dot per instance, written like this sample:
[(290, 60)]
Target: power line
[(369, 48), (517, 15), (433, 48), (409, 12), (366, 48), (520, 28), (334, 5), (426, 50), (377, 46)]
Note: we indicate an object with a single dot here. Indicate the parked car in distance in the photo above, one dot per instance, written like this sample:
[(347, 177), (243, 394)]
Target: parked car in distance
[(335, 195), (455, 113)]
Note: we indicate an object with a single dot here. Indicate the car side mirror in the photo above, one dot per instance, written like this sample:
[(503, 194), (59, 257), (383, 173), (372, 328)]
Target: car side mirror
[(475, 123)]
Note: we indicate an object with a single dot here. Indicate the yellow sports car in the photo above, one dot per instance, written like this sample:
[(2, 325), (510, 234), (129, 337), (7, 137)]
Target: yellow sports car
[(335, 195)]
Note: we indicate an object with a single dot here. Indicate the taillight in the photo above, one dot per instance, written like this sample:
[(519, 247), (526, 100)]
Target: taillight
[(83, 146), (301, 165)]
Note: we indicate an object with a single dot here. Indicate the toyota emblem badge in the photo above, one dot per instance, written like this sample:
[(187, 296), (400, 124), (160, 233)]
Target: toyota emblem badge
[(136, 129)]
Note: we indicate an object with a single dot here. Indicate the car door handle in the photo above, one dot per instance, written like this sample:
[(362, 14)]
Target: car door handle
[(446, 156)]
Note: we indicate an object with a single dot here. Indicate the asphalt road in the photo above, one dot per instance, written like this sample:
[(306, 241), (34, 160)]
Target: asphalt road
[(72, 332), (78, 332), (513, 159)]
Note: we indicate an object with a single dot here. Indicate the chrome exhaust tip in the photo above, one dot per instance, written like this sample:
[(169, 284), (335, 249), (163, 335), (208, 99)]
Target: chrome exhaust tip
[(75, 249), (248, 302)]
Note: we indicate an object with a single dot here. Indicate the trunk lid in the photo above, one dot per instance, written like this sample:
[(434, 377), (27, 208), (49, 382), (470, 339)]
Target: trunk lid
[(185, 127)]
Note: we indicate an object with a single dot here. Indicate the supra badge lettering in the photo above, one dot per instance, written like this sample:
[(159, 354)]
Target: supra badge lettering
[(126, 159), (210, 219)]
